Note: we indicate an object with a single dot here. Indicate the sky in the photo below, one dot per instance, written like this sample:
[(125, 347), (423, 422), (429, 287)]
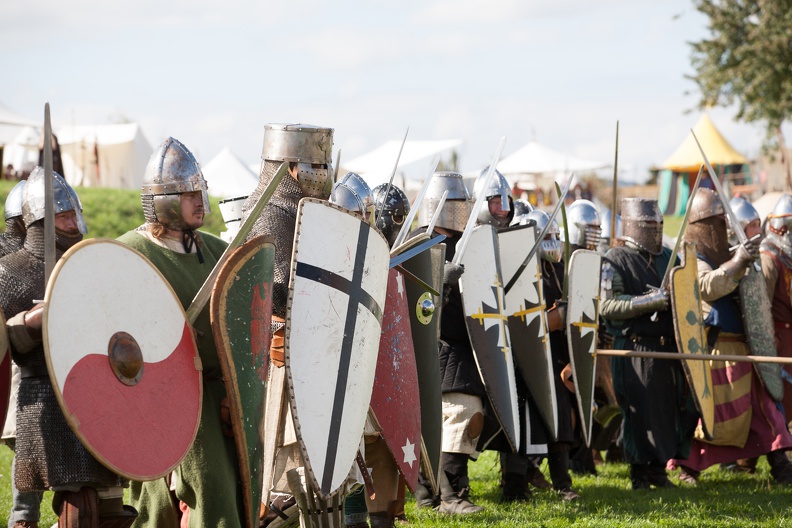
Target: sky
[(212, 74)]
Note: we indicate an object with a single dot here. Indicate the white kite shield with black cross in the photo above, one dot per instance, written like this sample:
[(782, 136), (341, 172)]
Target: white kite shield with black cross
[(337, 290)]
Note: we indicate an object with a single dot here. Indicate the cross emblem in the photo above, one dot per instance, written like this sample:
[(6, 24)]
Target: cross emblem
[(486, 311)]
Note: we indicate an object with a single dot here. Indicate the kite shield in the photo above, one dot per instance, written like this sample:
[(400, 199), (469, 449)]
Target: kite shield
[(424, 310), (525, 306), (760, 331), (395, 400), (241, 310), (120, 355), (337, 292), (690, 335), (487, 323), (582, 326)]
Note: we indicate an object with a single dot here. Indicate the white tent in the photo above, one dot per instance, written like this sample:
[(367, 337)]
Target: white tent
[(376, 166), (22, 151), (535, 159), (228, 177), (104, 155)]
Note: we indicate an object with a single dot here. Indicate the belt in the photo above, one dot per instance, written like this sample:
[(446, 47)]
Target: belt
[(642, 339), (37, 371)]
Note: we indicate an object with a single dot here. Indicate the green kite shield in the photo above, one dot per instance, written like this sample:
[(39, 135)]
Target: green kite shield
[(337, 287), (486, 319), (135, 363), (690, 335), (582, 325), (424, 310), (241, 310), (525, 306), (760, 331)]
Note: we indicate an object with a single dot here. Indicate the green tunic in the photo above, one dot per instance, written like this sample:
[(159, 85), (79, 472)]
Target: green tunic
[(208, 478)]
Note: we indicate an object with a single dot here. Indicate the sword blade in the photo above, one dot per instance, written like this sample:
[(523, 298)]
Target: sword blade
[(615, 190), (566, 244), (49, 199), (203, 295), (390, 182), (416, 279), (420, 248), (405, 229)]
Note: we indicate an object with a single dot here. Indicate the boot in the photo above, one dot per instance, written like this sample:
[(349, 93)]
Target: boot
[(77, 509), (424, 497), (537, 479), (455, 496), (658, 478), (639, 476), (355, 511), (381, 520), (558, 463), (688, 475), (780, 467), (515, 488)]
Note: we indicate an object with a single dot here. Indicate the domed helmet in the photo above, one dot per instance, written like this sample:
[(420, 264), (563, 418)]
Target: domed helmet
[(747, 217), (643, 224), (779, 224), (496, 214), (13, 203), (706, 204), (172, 171), (393, 209), (521, 210), (550, 246), (606, 226), (584, 224), (458, 205), (309, 147), (353, 194), (34, 199)]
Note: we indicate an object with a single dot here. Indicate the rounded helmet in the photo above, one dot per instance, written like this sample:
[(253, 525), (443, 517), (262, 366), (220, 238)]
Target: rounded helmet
[(606, 226), (458, 205), (550, 246), (747, 217), (309, 147), (779, 223), (706, 204), (34, 199), (353, 194), (393, 209), (13, 203), (521, 210), (584, 224), (498, 186), (643, 224), (172, 171)]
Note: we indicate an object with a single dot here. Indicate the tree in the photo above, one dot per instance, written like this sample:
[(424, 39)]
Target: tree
[(747, 60)]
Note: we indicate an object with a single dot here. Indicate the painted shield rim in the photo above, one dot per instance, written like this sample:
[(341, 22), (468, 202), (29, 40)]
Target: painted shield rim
[(70, 419)]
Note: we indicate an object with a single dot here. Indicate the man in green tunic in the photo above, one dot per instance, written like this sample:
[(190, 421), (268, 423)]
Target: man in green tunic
[(207, 483)]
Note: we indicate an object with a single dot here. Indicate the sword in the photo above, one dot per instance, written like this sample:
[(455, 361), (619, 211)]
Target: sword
[(49, 199), (539, 239), (405, 229), (738, 230), (436, 215), (471, 223), (390, 182), (202, 297), (615, 186), (338, 166), (420, 248), (566, 243)]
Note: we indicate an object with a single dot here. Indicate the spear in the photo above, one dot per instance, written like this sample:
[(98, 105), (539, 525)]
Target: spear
[(615, 179), (49, 202)]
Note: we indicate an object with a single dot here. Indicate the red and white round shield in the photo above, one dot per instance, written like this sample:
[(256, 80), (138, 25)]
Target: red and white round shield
[(122, 359)]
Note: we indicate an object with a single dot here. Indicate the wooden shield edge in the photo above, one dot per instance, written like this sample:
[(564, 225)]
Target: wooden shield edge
[(217, 315), (689, 259), (71, 420), (5, 369)]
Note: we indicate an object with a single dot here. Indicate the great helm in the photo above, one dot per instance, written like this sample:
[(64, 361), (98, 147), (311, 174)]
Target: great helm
[(584, 224), (393, 209), (13, 203), (746, 214), (550, 246), (34, 199), (642, 224), (353, 194), (521, 210), (310, 147), (498, 186), (457, 207), (171, 171)]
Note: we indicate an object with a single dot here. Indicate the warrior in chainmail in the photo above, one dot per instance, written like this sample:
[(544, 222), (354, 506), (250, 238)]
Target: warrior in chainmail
[(14, 235), (748, 422), (308, 151), (48, 454), (658, 412), (206, 483)]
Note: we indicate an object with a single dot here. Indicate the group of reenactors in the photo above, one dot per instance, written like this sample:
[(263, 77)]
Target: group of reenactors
[(487, 388)]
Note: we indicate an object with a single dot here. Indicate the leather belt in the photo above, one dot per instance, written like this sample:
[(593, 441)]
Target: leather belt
[(640, 339), (37, 371)]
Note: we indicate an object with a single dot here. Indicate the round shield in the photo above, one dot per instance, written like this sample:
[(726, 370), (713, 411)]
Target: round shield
[(122, 359)]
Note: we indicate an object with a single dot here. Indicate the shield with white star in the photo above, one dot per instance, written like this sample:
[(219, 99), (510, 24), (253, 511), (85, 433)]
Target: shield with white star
[(395, 400), (525, 306), (486, 318), (582, 323), (337, 289)]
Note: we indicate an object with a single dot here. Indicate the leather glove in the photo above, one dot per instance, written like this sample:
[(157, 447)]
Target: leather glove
[(654, 301), (556, 316), (33, 321), (743, 257), (452, 272)]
